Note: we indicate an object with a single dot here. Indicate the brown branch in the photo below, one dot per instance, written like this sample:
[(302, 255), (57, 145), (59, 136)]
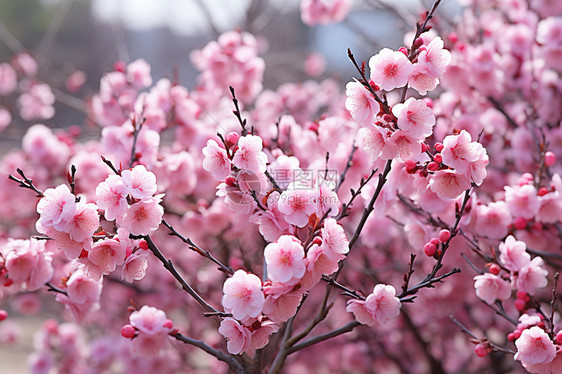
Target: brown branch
[(25, 182), (171, 268), (228, 359), (194, 247)]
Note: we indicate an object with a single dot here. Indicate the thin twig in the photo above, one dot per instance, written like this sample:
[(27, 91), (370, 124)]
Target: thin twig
[(230, 360), (553, 304), (171, 268), (25, 182), (320, 338), (194, 247), (51, 287), (237, 112), (347, 167)]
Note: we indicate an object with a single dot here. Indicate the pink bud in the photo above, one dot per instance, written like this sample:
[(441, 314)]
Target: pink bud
[(425, 147), (526, 178), (428, 102), (549, 158), (481, 350), (373, 85), (3, 314), (128, 331), (520, 305), (517, 334), (511, 336), (438, 158), (494, 269), (232, 137), (439, 147), (559, 337), (429, 249), (169, 324), (434, 241), (51, 326), (453, 38), (230, 181), (444, 235), (418, 43), (120, 66), (403, 50), (433, 166), (542, 191), (388, 118), (520, 223), (521, 294), (410, 165)]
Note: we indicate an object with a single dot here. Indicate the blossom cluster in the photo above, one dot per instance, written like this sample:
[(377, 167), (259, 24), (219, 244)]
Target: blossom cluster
[(310, 199)]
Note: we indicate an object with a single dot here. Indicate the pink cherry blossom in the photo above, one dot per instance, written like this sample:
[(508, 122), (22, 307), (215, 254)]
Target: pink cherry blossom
[(421, 81), (107, 254), (28, 262), (390, 69), (372, 140), (318, 263), (143, 217), (281, 302), (492, 220), (513, 254), (449, 184), (534, 347), (140, 182), (260, 337), (401, 144), (82, 289), (250, 155), (334, 241), (64, 242), (285, 260), (490, 287), (532, 276), (327, 201), (522, 201), (243, 296), (18, 259), (237, 336), (149, 320), (476, 170), (112, 197), (215, 160), (37, 102), (434, 58), (25, 63), (84, 222), (138, 74), (149, 345), (381, 306), (271, 222), (8, 79), (57, 205), (324, 11), (297, 204), (314, 64), (459, 151), (135, 266), (551, 208), (5, 118), (415, 117), (360, 103)]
